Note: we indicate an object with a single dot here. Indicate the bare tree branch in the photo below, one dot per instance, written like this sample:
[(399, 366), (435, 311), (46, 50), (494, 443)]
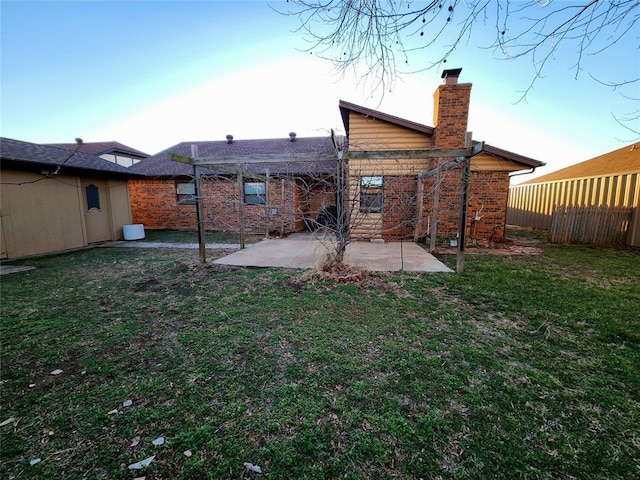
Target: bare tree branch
[(388, 37)]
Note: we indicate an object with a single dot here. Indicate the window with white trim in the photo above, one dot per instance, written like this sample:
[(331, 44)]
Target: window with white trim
[(255, 193), (186, 193), (371, 194)]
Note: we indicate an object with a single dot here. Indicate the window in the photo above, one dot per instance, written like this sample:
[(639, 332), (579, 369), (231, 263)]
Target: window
[(371, 194), (186, 193), (93, 197), (255, 193)]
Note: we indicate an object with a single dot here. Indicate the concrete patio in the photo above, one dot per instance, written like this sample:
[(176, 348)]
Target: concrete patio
[(305, 250)]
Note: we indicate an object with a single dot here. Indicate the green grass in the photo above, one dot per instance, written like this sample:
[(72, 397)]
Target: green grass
[(526, 233), (523, 367), (191, 236)]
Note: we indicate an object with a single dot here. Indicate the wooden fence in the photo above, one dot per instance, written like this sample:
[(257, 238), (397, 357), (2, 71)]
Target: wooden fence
[(589, 225), (532, 205)]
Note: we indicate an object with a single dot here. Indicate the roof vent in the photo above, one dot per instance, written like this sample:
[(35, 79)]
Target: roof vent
[(292, 136), (229, 138), (79, 141), (451, 76)]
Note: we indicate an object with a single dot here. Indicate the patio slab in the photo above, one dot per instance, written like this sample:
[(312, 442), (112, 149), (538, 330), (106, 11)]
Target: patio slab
[(392, 257), (307, 251)]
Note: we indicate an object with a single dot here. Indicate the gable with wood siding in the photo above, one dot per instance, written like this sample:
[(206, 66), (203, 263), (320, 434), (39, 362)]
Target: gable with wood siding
[(372, 131)]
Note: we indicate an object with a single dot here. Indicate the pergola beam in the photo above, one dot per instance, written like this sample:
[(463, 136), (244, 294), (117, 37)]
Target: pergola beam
[(314, 157), (417, 154), (270, 158)]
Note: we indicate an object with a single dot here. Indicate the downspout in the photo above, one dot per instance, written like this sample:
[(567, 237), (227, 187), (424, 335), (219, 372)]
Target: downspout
[(533, 169)]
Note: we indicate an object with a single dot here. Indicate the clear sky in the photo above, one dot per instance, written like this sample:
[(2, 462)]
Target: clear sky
[(150, 74)]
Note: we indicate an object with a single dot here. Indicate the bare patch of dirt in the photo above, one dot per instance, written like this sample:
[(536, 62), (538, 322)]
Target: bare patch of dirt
[(373, 281), (453, 453), (145, 285), (513, 245), (296, 286)]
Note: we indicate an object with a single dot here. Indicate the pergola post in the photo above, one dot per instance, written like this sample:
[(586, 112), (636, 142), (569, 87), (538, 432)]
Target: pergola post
[(199, 214)]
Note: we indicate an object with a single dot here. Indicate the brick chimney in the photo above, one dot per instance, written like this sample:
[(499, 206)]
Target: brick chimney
[(451, 111)]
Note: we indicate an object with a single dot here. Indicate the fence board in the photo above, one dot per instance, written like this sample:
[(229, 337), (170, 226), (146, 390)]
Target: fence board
[(609, 191), (589, 225)]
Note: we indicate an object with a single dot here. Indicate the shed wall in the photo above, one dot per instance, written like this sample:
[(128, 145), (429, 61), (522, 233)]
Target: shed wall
[(41, 215), (118, 191)]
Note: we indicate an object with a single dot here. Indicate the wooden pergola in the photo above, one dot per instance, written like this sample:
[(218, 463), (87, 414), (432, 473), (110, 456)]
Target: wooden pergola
[(460, 156)]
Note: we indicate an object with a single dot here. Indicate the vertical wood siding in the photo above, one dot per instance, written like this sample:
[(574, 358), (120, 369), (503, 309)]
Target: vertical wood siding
[(44, 215)]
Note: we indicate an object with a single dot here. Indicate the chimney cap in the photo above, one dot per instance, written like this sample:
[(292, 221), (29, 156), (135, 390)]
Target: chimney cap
[(292, 136), (453, 72), (229, 138)]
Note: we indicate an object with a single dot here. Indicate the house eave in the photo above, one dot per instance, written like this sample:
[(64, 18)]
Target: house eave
[(8, 163), (514, 157), (346, 107), (118, 151)]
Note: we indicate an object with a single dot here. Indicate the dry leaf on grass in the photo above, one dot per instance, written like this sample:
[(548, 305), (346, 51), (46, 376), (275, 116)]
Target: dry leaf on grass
[(252, 467), (7, 421), (142, 464)]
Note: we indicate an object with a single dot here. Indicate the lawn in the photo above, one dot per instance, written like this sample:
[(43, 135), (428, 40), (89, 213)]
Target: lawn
[(523, 367), (190, 236)]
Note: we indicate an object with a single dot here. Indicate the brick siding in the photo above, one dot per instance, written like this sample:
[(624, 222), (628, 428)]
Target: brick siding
[(399, 207), (448, 207), (487, 200), (488, 197), (450, 115), (154, 204)]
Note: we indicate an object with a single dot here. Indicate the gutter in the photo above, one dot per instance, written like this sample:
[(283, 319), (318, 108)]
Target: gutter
[(533, 169)]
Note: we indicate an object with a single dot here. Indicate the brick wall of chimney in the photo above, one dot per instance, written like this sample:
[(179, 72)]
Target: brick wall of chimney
[(450, 114)]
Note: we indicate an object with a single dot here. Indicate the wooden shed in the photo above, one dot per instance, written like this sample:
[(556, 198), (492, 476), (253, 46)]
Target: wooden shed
[(600, 197), (53, 199)]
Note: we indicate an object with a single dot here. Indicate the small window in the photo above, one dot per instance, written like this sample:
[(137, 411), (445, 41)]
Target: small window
[(255, 193), (186, 193), (371, 194), (93, 197)]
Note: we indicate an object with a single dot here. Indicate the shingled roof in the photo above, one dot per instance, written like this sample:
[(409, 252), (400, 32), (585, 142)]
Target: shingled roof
[(100, 148), (621, 161), (22, 153), (160, 164)]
